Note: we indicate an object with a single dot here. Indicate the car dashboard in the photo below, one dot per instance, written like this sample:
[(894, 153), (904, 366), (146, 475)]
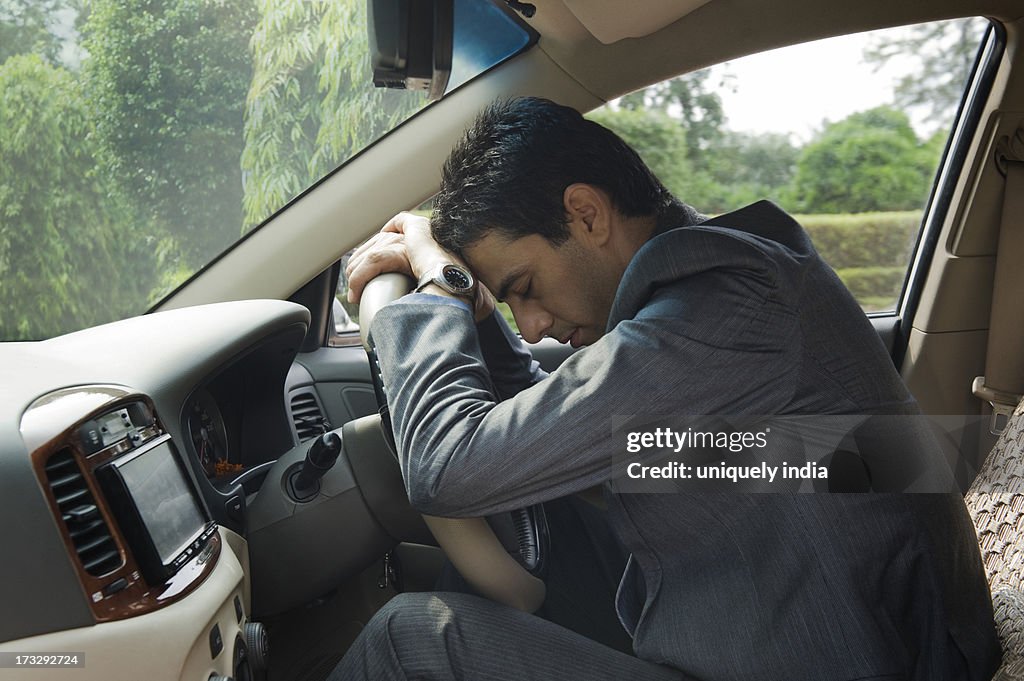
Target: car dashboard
[(129, 453)]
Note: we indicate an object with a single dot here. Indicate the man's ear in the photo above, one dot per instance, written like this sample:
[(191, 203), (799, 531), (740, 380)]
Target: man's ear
[(588, 213)]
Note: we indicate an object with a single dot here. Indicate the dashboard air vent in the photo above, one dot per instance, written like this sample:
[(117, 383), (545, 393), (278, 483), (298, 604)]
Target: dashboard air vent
[(307, 415), (89, 533)]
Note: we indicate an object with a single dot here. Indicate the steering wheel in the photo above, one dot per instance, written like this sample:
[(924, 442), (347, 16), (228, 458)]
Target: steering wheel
[(471, 544)]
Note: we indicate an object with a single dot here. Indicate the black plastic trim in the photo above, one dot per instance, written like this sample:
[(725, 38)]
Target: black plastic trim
[(318, 422), (317, 296)]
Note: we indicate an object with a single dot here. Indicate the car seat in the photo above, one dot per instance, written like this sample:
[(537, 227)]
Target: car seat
[(996, 503)]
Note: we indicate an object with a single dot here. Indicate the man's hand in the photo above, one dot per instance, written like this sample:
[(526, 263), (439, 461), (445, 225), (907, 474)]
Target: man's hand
[(405, 245)]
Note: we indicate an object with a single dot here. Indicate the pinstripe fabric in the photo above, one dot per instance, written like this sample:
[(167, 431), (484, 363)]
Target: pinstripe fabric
[(457, 636), (738, 317)]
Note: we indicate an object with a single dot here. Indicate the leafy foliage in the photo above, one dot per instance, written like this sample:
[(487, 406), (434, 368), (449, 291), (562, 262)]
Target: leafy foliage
[(692, 101), (869, 251), (311, 104), (876, 288), (869, 161), (659, 139), (167, 82), (944, 52), (744, 168), (719, 169), (69, 256), (26, 28)]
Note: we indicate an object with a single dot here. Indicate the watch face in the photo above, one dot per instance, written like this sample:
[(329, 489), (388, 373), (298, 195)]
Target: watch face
[(457, 278)]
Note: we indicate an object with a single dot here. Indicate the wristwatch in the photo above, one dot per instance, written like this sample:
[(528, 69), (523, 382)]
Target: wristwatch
[(453, 278)]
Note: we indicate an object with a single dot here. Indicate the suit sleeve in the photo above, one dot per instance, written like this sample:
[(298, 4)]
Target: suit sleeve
[(717, 345), (508, 360)]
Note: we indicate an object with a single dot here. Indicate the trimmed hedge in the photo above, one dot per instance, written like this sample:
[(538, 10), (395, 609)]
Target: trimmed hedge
[(875, 288), (869, 251), (872, 281), (864, 239)]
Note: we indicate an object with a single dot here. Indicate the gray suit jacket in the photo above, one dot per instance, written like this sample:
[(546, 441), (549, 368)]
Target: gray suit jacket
[(735, 316)]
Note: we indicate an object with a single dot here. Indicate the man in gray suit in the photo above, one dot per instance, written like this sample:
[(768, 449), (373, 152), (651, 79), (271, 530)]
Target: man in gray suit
[(682, 317)]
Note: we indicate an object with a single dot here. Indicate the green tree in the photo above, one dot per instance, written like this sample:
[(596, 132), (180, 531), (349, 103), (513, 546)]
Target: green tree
[(944, 52), (723, 169), (693, 101), (167, 82), (311, 105), (68, 254), (869, 161), (26, 28), (742, 168), (746, 167), (659, 139), (766, 160)]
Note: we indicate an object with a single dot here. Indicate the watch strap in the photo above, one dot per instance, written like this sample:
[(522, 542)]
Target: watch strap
[(436, 276)]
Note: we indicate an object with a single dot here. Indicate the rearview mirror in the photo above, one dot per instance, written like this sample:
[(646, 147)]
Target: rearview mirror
[(411, 44)]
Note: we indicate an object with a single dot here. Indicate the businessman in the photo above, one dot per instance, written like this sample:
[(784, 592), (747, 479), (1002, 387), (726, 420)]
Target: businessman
[(683, 316)]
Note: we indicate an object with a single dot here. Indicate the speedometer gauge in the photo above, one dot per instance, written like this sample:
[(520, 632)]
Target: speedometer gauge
[(209, 436)]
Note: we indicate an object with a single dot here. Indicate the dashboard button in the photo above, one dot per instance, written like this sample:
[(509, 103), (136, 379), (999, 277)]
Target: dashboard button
[(216, 642), (90, 436), (115, 586), (235, 508)]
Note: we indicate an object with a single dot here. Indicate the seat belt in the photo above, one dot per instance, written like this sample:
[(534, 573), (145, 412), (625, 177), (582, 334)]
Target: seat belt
[(1003, 382)]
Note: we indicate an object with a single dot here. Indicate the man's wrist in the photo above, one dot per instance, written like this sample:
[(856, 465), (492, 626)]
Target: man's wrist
[(480, 302), (456, 279), (435, 290)]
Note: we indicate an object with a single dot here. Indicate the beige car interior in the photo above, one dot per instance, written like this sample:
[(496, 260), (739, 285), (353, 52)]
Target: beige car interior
[(590, 52)]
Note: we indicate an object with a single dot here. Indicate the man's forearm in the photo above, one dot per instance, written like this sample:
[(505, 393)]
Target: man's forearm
[(465, 453), (509, 361)]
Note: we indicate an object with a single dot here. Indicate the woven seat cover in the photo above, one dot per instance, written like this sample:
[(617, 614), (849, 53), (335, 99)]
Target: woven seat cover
[(996, 502)]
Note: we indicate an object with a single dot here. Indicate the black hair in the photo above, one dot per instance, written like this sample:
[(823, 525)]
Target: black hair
[(510, 170)]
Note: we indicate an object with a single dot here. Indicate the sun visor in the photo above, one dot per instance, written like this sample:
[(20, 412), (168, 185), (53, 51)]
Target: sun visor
[(613, 20)]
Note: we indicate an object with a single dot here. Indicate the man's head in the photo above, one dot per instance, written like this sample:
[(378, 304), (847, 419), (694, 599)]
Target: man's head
[(510, 171), (547, 208)]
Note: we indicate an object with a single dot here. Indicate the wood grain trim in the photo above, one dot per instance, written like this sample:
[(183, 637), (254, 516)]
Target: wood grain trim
[(49, 426)]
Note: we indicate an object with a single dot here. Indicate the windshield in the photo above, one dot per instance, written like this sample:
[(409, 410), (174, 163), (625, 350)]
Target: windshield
[(139, 141)]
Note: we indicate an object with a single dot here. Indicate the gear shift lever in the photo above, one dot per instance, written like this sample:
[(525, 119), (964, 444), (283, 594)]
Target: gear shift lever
[(304, 483)]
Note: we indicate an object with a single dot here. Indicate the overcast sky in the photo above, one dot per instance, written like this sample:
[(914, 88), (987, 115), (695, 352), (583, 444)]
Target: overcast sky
[(794, 89)]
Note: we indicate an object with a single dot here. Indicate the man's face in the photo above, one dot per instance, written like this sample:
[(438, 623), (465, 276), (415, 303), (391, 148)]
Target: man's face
[(564, 292)]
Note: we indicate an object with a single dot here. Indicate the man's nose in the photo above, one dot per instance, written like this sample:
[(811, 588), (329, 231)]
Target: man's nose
[(533, 321)]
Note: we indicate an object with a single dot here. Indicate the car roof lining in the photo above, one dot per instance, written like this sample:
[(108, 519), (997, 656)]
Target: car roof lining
[(721, 30), (612, 20)]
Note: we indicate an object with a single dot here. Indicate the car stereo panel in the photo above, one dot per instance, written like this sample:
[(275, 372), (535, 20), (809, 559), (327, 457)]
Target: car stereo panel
[(132, 520)]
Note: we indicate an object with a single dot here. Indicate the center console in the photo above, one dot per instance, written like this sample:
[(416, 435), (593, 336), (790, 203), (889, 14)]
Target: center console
[(144, 547), (129, 514)]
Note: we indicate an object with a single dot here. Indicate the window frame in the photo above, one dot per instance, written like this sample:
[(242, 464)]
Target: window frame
[(951, 166)]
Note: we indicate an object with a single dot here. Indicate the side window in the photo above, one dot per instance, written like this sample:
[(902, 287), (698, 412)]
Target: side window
[(346, 314), (845, 133)]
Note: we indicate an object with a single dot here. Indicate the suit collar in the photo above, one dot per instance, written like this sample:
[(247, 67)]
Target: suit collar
[(673, 253)]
